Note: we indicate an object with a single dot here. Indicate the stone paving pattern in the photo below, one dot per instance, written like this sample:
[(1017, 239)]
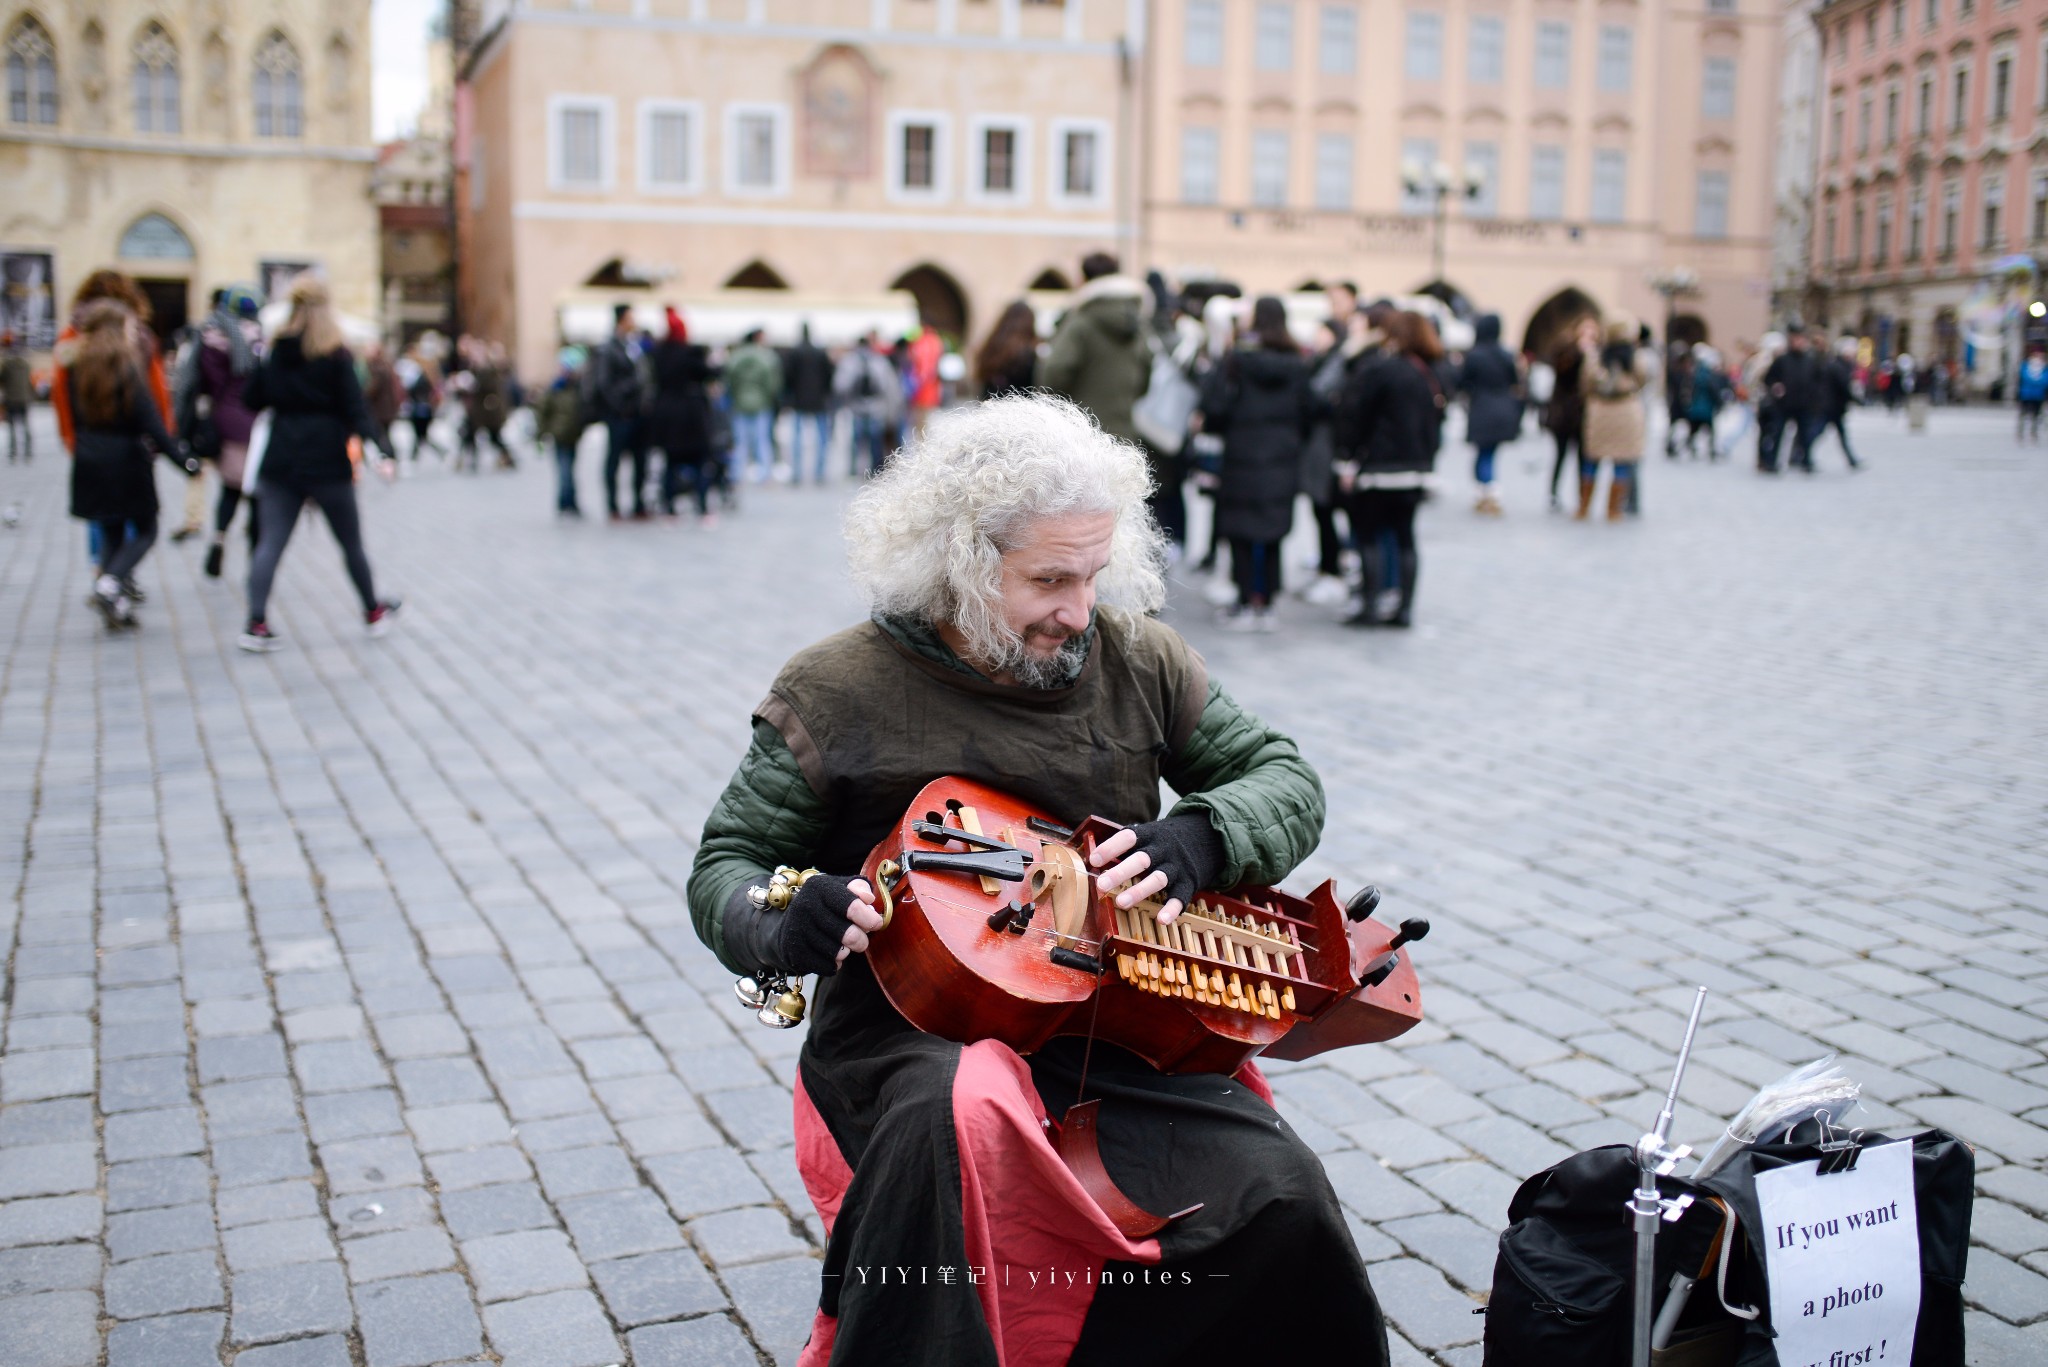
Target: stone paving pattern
[(353, 1013)]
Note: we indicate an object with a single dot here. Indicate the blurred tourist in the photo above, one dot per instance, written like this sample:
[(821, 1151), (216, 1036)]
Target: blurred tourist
[(486, 403), (617, 398), (17, 396), (807, 388), (864, 383), (1490, 378), (215, 374), (2031, 389), (1835, 386), (679, 419), (318, 427), (1706, 390), (1794, 383), (1564, 415), (1389, 428), (922, 391), (753, 388), (1613, 378), (1008, 360), (1099, 355), (559, 421)]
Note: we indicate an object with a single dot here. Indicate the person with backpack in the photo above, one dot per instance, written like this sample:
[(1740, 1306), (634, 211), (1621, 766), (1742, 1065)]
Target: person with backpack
[(2032, 389), (1705, 394), (753, 389), (421, 397), (1389, 428), (559, 420), (214, 373), (807, 388), (864, 383), (615, 395)]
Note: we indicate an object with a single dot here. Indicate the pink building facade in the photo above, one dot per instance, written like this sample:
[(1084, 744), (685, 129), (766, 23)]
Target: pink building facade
[(1931, 198)]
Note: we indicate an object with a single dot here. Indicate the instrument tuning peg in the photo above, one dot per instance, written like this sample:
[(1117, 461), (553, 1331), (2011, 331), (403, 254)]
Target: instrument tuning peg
[(1363, 903), (1412, 929)]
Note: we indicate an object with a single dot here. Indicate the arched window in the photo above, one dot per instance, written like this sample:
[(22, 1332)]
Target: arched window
[(31, 74), (280, 95), (155, 238), (156, 82)]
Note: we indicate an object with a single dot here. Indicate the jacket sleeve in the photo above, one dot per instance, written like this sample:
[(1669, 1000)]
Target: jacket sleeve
[(256, 393), (1060, 367), (150, 419), (356, 411), (1255, 788), (767, 815)]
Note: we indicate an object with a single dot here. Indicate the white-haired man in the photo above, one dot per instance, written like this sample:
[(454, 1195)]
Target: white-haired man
[(1011, 567)]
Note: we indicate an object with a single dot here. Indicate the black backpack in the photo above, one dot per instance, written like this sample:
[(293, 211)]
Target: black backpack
[(1561, 1280)]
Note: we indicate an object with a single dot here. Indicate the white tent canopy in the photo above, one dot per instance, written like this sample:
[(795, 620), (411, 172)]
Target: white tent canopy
[(722, 317)]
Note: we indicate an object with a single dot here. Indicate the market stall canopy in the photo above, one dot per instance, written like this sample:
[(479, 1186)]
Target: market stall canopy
[(722, 317)]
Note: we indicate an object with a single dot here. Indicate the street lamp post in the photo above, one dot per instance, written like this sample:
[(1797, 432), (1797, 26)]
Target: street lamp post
[(1671, 284), (1439, 183)]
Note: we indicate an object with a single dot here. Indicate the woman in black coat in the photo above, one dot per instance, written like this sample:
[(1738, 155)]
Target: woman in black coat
[(116, 423), (679, 418), (319, 427), (1491, 381), (1259, 401), (1390, 424)]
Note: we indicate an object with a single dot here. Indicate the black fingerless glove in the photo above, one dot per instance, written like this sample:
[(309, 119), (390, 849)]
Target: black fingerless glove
[(1187, 849), (808, 940)]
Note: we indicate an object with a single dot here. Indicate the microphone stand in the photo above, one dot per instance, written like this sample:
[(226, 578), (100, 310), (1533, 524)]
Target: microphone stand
[(1654, 1159)]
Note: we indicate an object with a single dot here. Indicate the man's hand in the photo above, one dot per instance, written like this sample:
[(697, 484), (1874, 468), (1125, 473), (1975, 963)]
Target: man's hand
[(828, 919), (1178, 856)]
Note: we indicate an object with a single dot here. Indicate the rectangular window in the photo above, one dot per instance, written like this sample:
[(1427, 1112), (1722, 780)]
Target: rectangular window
[(1933, 16), (2040, 196), (1881, 249), (1418, 165), (1424, 60), (1864, 104), (2001, 87), (1273, 36), (1717, 89), (1916, 224), (1337, 41), (756, 150), (1965, 8), (1721, 6), (1994, 212), (920, 157), (579, 145), (1553, 54), (1835, 128), (1546, 181), (1482, 162), (1951, 216), (1615, 70), (1081, 174), (1856, 235), (1334, 160), (2041, 77), (1891, 116), (669, 136), (1710, 205), (999, 161), (1204, 42), (1200, 152), (1269, 168), (1828, 234), (1959, 100), (1486, 58), (1610, 185), (1898, 19), (1923, 117)]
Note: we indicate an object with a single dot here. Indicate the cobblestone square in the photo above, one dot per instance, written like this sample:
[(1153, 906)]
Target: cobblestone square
[(354, 1015)]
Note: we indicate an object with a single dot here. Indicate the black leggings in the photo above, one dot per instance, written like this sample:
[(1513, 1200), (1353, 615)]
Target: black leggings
[(1255, 565), (120, 553), (1329, 545), (1383, 520), (278, 508), (1565, 442)]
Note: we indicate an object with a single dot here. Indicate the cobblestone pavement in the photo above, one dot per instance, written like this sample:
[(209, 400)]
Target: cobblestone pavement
[(353, 1013)]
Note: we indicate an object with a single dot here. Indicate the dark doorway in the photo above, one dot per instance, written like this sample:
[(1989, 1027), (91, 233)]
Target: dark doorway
[(757, 275), (1049, 279), (941, 303), (1687, 329), (1450, 296), (170, 307), (1555, 318)]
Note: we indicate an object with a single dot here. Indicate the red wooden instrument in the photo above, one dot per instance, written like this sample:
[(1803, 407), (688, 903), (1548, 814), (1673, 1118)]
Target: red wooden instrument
[(996, 931)]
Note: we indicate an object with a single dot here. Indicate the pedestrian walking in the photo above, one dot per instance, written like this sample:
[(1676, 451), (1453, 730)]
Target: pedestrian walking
[(864, 383), (422, 397), (753, 389), (559, 419), (382, 393), (1564, 413), (1008, 360), (1794, 383), (17, 396), (807, 388), (1257, 399), (1613, 379), (213, 413), (116, 423), (922, 389), (1389, 429), (486, 403), (1491, 381), (615, 395), (1099, 356), (2032, 389), (1327, 376), (1835, 391), (679, 419), (319, 424), (1706, 390)]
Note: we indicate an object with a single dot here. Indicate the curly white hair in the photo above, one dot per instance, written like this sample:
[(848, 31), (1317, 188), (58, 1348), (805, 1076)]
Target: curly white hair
[(926, 537)]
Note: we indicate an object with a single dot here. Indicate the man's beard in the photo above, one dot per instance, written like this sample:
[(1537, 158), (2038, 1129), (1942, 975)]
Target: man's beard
[(1034, 670)]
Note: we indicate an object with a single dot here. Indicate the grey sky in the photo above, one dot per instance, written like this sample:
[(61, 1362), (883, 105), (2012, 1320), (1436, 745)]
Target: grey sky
[(398, 76)]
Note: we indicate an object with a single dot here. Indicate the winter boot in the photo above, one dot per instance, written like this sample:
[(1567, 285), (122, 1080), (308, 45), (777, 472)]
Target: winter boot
[(1585, 499), (1617, 499)]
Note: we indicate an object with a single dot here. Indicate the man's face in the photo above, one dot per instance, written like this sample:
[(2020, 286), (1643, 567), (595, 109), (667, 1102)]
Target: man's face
[(1049, 581)]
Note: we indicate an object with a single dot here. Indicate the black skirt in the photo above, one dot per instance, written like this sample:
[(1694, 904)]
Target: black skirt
[(111, 481)]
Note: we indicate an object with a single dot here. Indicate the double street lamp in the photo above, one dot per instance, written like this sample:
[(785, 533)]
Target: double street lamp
[(1672, 284), (1438, 183)]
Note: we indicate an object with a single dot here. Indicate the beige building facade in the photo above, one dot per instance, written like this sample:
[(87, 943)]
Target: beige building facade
[(189, 143), (970, 150), (958, 149)]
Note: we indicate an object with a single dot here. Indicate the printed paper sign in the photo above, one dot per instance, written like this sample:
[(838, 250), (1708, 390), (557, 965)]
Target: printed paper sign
[(1843, 1256)]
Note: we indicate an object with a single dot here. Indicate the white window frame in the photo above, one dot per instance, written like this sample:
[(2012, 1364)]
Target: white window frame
[(1281, 12), (1337, 52), (1424, 152), (1550, 28), (1213, 136), (1716, 101), (607, 143), (1196, 49), (1485, 204), (978, 129), (729, 158), (1596, 210), (1056, 164), (1614, 65), (1324, 142), (1263, 141), (941, 124), (1417, 24), (693, 147), (1701, 228), (1549, 152), (1495, 69), (2012, 66)]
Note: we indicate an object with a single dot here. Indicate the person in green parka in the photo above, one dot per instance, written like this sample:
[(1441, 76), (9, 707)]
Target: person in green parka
[(1012, 570)]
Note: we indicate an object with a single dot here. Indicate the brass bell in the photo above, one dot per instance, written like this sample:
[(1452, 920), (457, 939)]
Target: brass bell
[(786, 1011)]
